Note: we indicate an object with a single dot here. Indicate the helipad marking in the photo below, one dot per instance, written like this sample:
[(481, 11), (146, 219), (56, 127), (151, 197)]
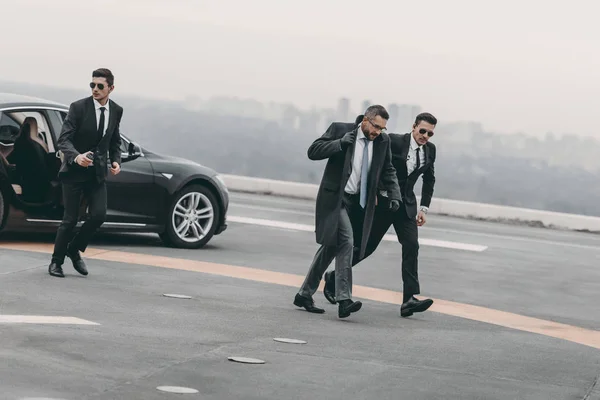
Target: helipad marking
[(389, 238), (575, 334), (41, 319)]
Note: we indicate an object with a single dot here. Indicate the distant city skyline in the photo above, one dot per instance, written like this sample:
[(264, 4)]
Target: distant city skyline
[(314, 119), (514, 66)]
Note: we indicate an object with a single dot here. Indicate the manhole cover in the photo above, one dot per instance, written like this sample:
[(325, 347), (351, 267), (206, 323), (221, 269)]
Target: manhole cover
[(286, 340), (177, 296), (246, 360), (177, 389)]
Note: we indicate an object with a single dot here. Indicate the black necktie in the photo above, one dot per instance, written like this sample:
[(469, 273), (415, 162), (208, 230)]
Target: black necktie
[(418, 158), (101, 124)]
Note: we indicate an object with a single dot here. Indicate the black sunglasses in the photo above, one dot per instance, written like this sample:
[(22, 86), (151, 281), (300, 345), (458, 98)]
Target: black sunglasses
[(423, 131), (100, 85)]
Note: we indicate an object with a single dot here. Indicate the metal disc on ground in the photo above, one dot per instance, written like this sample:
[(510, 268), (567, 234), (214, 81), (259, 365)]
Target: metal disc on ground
[(246, 360), (177, 296), (177, 389), (286, 340)]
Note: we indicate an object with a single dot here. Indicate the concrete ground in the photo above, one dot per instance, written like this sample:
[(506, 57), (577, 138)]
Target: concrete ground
[(140, 339)]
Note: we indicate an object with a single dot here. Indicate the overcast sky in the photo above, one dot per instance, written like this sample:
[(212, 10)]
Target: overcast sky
[(529, 65)]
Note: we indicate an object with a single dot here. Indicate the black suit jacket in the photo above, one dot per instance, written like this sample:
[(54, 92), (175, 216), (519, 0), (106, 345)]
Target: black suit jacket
[(79, 135), (336, 175), (400, 144)]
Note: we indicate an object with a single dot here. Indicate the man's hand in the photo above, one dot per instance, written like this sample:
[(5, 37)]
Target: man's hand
[(347, 140), (421, 218), (83, 160), (394, 205), (116, 168)]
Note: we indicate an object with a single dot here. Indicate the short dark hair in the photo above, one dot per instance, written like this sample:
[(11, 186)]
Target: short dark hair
[(427, 117), (104, 73), (376, 110)]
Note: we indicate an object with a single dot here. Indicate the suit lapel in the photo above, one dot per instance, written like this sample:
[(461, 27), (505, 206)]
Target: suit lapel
[(405, 148), (90, 122), (349, 155), (112, 118), (427, 154), (378, 148)]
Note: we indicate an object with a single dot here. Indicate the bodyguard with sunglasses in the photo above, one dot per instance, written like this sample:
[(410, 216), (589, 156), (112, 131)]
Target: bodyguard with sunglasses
[(90, 133), (358, 165), (412, 156)]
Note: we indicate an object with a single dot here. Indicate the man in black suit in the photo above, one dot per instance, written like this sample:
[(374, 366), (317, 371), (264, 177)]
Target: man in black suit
[(90, 131), (412, 155), (359, 159)]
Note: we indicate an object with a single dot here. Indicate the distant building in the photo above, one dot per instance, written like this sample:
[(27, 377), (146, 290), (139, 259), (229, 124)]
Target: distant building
[(343, 109)]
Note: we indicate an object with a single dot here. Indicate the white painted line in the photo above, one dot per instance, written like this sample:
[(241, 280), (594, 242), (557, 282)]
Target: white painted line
[(465, 232), (442, 243), (41, 319), (271, 223), (273, 209), (388, 237)]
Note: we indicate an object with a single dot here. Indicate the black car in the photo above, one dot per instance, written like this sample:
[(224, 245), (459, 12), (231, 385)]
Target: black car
[(184, 202)]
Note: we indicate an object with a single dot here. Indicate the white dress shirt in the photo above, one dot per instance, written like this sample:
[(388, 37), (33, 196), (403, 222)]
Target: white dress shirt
[(97, 105), (411, 162), (353, 185), (411, 158)]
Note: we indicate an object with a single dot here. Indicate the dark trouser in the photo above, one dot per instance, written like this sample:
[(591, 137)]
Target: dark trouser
[(408, 236), (351, 219), (95, 194)]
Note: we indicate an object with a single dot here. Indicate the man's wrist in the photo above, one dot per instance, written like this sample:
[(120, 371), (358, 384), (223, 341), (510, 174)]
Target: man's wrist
[(424, 209)]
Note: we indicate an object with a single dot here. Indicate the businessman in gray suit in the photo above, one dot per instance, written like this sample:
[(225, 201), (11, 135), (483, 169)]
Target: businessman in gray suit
[(358, 161)]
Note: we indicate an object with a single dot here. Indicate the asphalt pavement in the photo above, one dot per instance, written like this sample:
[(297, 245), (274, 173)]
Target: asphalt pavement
[(116, 336)]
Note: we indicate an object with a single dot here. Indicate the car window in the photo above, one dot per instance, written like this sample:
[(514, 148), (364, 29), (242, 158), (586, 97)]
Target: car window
[(124, 145), (56, 121), (9, 128), (43, 131)]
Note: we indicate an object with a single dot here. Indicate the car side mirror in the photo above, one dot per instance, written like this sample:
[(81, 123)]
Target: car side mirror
[(133, 151)]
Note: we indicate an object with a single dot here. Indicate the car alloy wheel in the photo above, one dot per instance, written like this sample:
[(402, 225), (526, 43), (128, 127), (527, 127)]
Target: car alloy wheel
[(192, 218)]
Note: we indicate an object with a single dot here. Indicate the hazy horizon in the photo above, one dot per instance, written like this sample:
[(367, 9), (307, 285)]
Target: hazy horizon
[(515, 67)]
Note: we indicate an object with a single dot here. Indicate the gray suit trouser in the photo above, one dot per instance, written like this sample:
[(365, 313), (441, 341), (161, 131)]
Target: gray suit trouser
[(343, 258)]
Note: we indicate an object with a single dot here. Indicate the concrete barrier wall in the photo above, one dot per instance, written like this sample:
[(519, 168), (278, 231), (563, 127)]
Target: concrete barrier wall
[(457, 208)]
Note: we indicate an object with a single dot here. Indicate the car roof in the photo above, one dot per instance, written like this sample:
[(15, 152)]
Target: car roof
[(11, 100)]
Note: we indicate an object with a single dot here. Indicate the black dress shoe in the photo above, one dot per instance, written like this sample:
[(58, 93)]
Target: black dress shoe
[(307, 303), (78, 263), (413, 305), (329, 289), (347, 307), (55, 269)]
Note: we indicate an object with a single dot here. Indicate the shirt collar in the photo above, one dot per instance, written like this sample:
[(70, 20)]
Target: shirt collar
[(413, 143), (361, 135), (97, 105)]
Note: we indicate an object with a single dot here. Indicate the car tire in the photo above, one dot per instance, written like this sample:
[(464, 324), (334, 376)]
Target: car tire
[(182, 214)]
